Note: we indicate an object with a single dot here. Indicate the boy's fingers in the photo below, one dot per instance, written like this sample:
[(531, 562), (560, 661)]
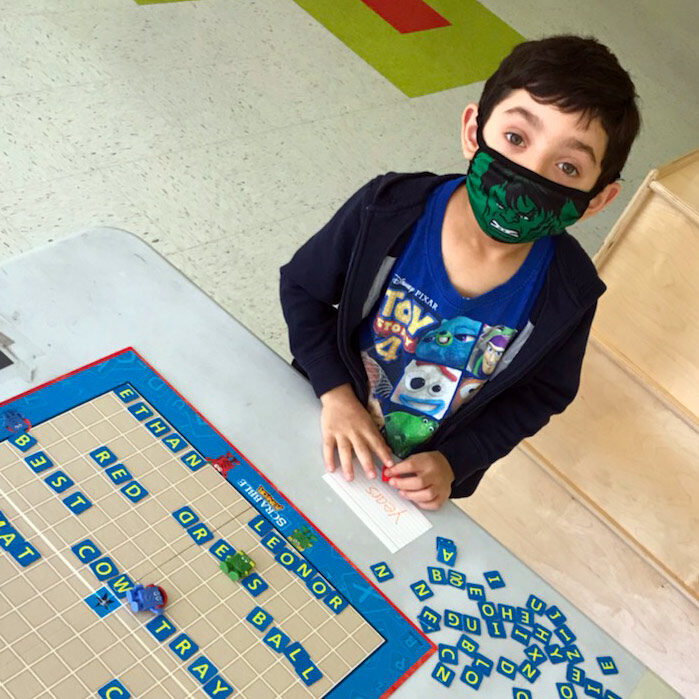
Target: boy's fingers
[(345, 450), (329, 455), (411, 483), (431, 504), (419, 496), (402, 468), (364, 458), (380, 448)]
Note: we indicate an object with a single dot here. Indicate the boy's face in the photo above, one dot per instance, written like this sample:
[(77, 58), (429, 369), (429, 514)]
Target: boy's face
[(560, 146)]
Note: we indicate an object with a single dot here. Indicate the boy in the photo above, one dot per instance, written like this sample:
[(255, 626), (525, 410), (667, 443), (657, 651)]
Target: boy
[(445, 318)]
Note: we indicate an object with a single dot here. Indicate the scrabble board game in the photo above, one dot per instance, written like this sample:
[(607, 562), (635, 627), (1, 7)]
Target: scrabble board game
[(110, 479)]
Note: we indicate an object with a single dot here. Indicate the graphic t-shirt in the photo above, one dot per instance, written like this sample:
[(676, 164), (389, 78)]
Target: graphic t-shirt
[(426, 348)]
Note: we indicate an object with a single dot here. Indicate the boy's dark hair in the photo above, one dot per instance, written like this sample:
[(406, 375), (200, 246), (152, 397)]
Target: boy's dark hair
[(576, 74)]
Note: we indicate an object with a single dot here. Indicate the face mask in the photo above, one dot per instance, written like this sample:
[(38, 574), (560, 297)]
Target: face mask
[(515, 205)]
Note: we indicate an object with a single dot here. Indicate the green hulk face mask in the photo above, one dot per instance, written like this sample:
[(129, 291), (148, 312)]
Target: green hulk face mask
[(515, 205)]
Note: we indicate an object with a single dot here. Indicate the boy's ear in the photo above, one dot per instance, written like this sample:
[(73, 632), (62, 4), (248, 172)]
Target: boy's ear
[(602, 200), (469, 126)]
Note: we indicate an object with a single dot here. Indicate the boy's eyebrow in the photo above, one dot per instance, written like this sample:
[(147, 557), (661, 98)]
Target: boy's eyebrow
[(533, 119), (538, 124), (577, 144)]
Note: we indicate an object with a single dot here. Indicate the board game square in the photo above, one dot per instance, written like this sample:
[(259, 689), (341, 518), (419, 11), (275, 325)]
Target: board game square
[(350, 651), (239, 668), (104, 431), (7, 456), (123, 422), (83, 441), (74, 652), (260, 657), (316, 647), (87, 414), (157, 454), (107, 404), (48, 668), (278, 677), (46, 434), (24, 685), (14, 626), (98, 637), (31, 648), (140, 438), (119, 659)]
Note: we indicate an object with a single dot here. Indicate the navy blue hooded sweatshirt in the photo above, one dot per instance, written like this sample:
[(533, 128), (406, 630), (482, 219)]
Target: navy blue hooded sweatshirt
[(333, 280)]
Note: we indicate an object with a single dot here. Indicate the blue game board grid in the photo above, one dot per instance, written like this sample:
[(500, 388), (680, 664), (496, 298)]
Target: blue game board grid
[(389, 663)]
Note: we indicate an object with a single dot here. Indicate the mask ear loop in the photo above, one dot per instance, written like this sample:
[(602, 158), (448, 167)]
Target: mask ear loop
[(598, 187)]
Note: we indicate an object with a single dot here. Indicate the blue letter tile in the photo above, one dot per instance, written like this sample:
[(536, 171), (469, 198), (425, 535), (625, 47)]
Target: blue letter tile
[(185, 516), (126, 393), (443, 674), (114, 690), (436, 575), (260, 525), (77, 502), (254, 584), (260, 618), (222, 549), (381, 571), (161, 627), (335, 601), (134, 491), (157, 427), (23, 441), (120, 584), (183, 646), (103, 456), (276, 639), (118, 474), (202, 669), (421, 590), (218, 688), (140, 411), (200, 533), (174, 442), (58, 481), (471, 677), (494, 579), (273, 542), (86, 551), (102, 602), (104, 568), (607, 665), (453, 620), (506, 667), (192, 460), (38, 461)]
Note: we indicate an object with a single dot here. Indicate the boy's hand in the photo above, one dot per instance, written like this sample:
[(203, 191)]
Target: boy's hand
[(424, 478), (346, 424)]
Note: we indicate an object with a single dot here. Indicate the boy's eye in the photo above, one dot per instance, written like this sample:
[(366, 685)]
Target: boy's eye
[(569, 169), (514, 138)]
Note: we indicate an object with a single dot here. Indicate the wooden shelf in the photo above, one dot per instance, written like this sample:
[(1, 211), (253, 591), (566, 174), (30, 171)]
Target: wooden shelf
[(604, 502)]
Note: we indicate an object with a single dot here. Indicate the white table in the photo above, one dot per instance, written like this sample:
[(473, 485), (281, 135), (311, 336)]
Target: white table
[(87, 296)]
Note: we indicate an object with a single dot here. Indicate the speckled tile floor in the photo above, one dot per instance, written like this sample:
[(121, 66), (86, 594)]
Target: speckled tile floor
[(225, 133)]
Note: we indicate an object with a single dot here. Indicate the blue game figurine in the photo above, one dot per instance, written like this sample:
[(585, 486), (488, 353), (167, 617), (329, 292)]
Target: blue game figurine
[(150, 598), (15, 421)]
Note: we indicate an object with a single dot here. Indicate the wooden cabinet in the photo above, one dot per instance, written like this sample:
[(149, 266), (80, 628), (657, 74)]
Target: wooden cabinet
[(604, 501)]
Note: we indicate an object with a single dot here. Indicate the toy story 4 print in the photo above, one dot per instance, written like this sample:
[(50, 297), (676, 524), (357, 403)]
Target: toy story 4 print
[(422, 368)]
